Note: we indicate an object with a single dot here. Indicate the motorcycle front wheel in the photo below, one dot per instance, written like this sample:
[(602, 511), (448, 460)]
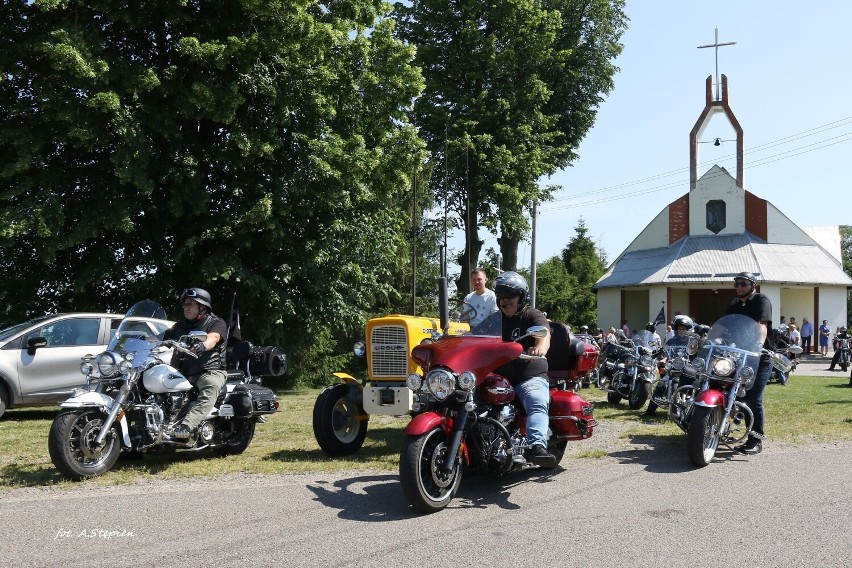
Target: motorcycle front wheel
[(238, 440), (703, 435), (72, 448), (424, 482), (639, 395)]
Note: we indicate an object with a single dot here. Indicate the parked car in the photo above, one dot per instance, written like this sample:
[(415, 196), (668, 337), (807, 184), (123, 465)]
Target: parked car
[(40, 358)]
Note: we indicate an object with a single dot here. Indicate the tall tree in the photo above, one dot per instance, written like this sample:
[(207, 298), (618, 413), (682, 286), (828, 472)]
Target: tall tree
[(511, 89), (256, 147), (585, 265)]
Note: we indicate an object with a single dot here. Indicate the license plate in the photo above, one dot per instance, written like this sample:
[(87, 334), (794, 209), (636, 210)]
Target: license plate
[(226, 410)]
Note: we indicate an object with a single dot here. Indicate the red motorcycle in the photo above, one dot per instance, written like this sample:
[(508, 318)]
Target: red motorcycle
[(467, 418)]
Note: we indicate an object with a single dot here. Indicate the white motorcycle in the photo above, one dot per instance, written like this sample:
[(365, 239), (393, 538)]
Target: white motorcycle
[(134, 398)]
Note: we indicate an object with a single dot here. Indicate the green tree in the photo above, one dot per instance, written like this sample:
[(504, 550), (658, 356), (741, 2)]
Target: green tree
[(584, 265), (846, 257), (511, 90), (261, 148), (554, 290)]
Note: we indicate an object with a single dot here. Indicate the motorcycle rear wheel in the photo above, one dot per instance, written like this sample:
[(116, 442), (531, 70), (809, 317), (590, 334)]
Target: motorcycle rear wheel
[(703, 435), (71, 444), (558, 451), (613, 398), (426, 486), (639, 395), (238, 440)]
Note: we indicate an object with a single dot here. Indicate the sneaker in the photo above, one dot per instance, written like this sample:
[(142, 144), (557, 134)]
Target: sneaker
[(181, 432), (750, 448), (542, 458)]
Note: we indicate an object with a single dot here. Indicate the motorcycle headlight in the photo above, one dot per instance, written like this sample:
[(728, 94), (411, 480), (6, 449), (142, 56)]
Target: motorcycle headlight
[(629, 362), (723, 367), (414, 382), (467, 381), (746, 374), (677, 364), (86, 368), (441, 383), (108, 364)]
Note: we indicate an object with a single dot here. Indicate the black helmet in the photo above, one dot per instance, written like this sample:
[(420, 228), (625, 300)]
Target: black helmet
[(750, 276), (199, 295), (584, 328), (650, 326), (682, 320), (842, 329), (512, 284)]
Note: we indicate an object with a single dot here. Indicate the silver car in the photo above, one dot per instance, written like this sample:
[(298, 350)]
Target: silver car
[(40, 358)]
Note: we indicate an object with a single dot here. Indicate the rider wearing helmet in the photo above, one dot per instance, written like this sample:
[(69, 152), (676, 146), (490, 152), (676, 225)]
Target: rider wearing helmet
[(205, 371), (653, 329), (528, 377), (682, 326), (757, 306), (842, 333)]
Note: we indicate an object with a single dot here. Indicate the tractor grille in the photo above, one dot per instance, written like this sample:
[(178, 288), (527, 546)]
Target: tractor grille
[(389, 351)]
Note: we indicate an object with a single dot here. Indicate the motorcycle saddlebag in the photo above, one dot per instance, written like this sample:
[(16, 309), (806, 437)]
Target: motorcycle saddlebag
[(588, 359), (252, 399), (570, 415)]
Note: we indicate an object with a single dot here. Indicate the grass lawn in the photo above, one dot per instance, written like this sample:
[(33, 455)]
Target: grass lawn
[(808, 409)]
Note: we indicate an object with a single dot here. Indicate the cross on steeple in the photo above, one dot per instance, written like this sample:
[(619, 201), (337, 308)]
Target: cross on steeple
[(717, 45)]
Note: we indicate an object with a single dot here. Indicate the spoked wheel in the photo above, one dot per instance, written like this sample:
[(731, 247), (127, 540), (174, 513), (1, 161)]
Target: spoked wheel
[(639, 395), (238, 440), (340, 425), (424, 482), (72, 447), (704, 432)]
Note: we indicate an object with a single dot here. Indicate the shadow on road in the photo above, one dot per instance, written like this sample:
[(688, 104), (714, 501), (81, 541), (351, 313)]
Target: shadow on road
[(666, 454), (379, 498)]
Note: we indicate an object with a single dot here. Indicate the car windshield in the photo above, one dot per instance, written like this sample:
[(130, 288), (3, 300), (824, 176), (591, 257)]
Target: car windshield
[(10, 331)]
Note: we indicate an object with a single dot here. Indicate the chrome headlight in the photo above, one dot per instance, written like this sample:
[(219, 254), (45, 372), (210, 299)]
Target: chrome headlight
[(441, 383), (746, 374), (723, 367), (108, 364), (677, 364), (414, 382), (630, 361), (359, 349), (86, 368), (467, 381)]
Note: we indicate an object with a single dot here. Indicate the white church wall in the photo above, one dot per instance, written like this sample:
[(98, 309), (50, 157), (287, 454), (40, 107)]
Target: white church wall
[(828, 237), (797, 303), (832, 306), (716, 185), (654, 235), (773, 292), (609, 308), (781, 230), (680, 303)]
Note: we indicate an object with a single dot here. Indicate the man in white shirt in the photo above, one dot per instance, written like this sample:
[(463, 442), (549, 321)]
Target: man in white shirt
[(481, 299)]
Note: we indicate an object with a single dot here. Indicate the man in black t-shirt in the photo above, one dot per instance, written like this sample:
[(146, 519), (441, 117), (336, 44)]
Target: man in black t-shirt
[(758, 307), (204, 372), (528, 377)]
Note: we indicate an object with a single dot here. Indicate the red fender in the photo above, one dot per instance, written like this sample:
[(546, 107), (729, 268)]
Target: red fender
[(710, 398), (427, 422)]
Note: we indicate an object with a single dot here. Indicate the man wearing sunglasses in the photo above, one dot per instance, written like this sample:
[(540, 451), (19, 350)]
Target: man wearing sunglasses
[(205, 372), (758, 307)]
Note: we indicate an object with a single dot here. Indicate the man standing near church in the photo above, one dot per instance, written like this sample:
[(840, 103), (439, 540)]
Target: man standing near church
[(758, 307), (807, 332), (481, 299)]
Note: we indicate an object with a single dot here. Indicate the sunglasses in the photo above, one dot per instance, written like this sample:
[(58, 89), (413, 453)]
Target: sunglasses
[(741, 284), (189, 293)]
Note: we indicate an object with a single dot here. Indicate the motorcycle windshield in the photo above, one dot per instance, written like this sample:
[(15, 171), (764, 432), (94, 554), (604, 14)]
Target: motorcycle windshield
[(492, 326), (644, 338), (135, 334), (738, 331)]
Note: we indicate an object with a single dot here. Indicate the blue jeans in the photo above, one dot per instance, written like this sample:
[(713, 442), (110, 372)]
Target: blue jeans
[(534, 394), (754, 396)]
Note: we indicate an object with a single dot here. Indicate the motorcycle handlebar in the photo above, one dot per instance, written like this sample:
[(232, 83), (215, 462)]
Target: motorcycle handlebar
[(179, 347)]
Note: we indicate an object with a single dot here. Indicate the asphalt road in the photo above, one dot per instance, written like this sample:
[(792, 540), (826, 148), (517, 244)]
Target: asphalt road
[(643, 506)]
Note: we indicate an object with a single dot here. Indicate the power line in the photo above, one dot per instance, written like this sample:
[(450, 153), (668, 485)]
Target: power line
[(825, 143), (797, 136)]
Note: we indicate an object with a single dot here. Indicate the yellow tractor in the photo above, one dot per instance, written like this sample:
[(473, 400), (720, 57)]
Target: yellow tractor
[(342, 410)]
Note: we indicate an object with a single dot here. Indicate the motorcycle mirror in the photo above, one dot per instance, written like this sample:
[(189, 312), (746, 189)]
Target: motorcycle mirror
[(195, 336), (795, 349), (537, 331)]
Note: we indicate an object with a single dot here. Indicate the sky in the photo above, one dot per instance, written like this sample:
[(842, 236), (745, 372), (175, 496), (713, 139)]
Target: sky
[(789, 85)]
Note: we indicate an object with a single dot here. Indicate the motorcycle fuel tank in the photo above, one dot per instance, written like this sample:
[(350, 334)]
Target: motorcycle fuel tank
[(164, 378), (496, 390)]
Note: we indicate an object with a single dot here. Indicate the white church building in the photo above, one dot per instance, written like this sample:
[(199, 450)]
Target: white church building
[(685, 259)]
